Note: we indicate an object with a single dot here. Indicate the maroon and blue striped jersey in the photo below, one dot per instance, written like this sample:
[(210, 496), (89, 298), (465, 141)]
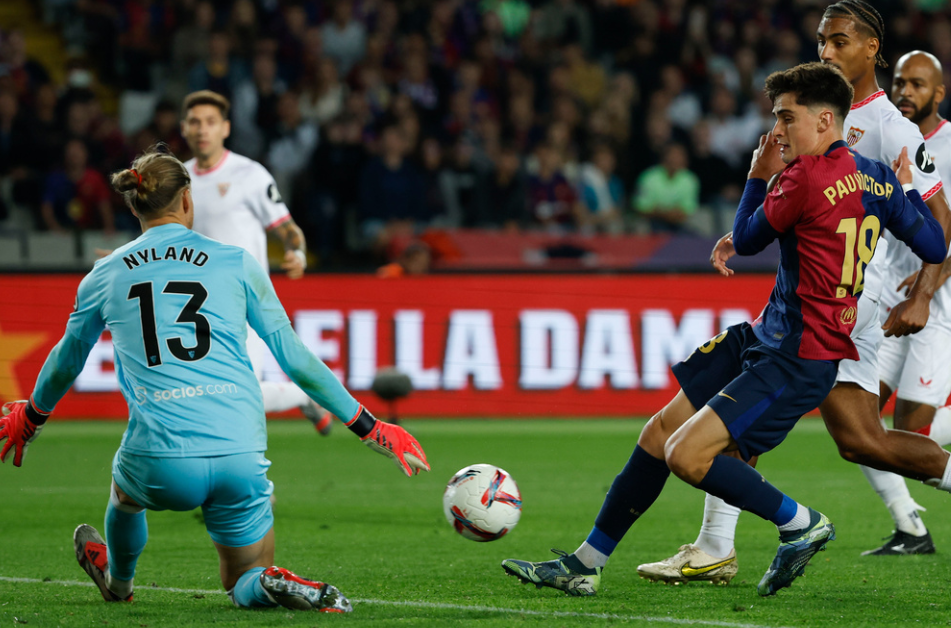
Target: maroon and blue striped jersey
[(827, 211)]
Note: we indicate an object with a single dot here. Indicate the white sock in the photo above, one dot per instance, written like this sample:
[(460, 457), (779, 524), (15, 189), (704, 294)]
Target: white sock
[(941, 426), (943, 483), (894, 492), (719, 527), (799, 521), (122, 588), (280, 396), (590, 557)]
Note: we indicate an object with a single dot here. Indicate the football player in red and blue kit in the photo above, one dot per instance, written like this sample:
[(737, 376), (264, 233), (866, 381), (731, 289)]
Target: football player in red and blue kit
[(744, 390)]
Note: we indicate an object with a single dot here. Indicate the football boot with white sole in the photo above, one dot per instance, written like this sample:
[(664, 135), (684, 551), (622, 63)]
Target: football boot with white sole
[(691, 564)]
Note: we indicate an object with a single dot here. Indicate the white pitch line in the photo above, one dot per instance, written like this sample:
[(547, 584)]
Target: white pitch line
[(437, 605)]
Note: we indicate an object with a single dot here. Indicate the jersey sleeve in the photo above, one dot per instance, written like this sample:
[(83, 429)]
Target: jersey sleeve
[(906, 134), (910, 220), (265, 312), (784, 204), (86, 322), (265, 199)]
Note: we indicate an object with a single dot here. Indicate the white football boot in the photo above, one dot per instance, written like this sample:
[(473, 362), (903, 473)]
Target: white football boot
[(691, 564)]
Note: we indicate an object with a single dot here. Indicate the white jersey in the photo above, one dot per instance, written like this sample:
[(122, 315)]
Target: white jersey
[(236, 202), (938, 143), (876, 129)]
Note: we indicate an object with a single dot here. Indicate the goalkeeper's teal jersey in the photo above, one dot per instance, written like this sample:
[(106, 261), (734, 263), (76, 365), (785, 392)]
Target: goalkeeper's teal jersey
[(177, 305)]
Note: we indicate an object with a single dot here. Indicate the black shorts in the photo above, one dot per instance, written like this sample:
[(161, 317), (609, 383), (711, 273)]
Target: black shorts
[(758, 392)]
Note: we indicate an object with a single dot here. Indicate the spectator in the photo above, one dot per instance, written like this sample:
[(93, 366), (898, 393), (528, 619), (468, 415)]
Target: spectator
[(720, 185), (731, 136), (243, 29), (254, 110), (219, 72), (433, 175), (324, 95), (683, 110), (587, 79), (345, 39), (291, 148), (668, 193), (421, 89), (459, 183), (553, 203), (391, 193), (77, 196), (190, 42), (500, 195), (415, 259), (26, 73), (602, 191)]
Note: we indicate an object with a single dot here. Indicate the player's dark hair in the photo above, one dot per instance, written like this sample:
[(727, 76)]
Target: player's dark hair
[(865, 18), (206, 97), (813, 84), (153, 183)]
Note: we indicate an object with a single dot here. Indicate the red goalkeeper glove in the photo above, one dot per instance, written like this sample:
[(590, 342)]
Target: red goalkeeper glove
[(21, 424), (390, 440)]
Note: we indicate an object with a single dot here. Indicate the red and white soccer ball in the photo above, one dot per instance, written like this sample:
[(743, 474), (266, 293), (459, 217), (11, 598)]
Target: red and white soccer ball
[(482, 502)]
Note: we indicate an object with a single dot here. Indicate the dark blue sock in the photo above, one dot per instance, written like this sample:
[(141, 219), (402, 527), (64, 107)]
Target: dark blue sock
[(634, 490), (740, 485)]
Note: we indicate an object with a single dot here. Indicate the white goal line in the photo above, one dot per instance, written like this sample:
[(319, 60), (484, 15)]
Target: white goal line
[(442, 606)]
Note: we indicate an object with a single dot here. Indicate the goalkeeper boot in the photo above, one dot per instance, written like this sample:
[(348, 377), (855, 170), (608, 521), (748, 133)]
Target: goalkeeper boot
[(286, 588), (322, 420), (565, 573), (903, 543), (795, 550), (691, 564), (93, 558)]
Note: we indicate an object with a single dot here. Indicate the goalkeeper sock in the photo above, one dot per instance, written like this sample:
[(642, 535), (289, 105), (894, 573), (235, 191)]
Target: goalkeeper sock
[(126, 535), (719, 527), (893, 490), (740, 485), (248, 592), (281, 396), (634, 490)]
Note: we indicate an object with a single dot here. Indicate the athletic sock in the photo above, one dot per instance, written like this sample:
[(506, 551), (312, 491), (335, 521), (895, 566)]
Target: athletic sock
[(590, 557), (740, 485), (126, 534), (719, 527), (940, 428), (634, 490), (799, 521), (281, 396), (893, 490), (248, 592)]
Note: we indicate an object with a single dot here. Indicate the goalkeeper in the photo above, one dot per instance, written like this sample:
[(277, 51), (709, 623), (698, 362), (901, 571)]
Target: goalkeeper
[(178, 306)]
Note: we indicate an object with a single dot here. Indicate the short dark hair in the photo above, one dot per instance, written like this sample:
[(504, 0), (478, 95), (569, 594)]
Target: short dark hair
[(206, 97), (813, 84)]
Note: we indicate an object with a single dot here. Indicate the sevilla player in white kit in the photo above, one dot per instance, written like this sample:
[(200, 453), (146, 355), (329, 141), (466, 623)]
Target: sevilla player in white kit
[(849, 37), (238, 203)]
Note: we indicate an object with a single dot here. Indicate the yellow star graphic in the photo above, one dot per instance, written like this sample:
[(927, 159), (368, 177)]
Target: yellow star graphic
[(13, 347)]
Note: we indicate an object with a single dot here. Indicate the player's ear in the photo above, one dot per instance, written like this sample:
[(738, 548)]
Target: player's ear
[(826, 120), (873, 47), (939, 93)]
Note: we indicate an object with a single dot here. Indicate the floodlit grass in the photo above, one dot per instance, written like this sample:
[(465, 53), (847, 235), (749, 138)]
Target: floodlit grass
[(347, 516)]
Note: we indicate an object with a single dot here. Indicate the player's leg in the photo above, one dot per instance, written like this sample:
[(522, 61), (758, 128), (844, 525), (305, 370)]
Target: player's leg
[(939, 430), (240, 522), (283, 396)]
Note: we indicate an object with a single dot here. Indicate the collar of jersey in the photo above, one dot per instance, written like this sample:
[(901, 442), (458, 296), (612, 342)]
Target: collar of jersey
[(167, 227), (835, 146), (877, 94)]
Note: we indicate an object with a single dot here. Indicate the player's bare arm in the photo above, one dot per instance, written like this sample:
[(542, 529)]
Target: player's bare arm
[(295, 248)]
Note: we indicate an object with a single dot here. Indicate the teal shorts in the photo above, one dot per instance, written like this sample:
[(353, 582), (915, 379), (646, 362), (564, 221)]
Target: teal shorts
[(233, 491)]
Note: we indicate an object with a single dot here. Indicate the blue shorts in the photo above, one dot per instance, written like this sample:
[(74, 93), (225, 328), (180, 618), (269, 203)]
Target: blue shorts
[(233, 491), (758, 392)]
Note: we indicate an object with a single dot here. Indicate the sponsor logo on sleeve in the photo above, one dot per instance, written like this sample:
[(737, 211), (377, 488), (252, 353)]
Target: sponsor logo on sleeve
[(923, 160), (273, 194)]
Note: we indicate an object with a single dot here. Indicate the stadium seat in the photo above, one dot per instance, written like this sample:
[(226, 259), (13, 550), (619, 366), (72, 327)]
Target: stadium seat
[(52, 251)]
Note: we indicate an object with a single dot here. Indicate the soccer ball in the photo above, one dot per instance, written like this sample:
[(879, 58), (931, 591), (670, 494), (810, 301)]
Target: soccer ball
[(482, 502)]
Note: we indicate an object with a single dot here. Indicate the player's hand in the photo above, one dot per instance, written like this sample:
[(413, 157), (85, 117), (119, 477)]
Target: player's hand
[(908, 317), (902, 167), (907, 283), (18, 430), (721, 253), (294, 264), (767, 159), (395, 442)]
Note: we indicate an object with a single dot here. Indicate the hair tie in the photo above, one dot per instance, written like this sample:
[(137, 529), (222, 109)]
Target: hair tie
[(137, 176)]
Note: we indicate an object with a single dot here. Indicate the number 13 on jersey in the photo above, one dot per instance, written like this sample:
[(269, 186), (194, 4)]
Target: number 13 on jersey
[(866, 236)]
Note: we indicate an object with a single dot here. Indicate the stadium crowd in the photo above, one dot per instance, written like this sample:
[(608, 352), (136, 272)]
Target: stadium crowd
[(379, 118)]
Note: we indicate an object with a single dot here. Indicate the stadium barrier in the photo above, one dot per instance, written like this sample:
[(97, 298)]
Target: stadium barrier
[(474, 345)]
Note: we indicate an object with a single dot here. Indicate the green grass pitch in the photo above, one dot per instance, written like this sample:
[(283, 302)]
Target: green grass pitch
[(345, 515)]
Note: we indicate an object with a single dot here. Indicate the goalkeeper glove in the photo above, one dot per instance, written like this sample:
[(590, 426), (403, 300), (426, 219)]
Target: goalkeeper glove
[(390, 440), (20, 424)]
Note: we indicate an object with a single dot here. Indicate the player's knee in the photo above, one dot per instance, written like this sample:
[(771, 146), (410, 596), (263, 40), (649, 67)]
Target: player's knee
[(859, 448), (654, 437), (684, 462)]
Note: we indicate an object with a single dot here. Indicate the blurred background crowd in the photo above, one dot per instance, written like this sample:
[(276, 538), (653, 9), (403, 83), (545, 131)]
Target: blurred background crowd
[(381, 117)]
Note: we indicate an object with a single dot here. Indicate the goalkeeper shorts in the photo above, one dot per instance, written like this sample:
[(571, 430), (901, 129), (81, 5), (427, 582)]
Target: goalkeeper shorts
[(233, 491)]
